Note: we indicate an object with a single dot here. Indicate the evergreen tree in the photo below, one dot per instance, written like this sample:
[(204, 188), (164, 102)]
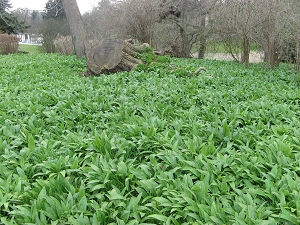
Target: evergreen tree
[(8, 22), (54, 10)]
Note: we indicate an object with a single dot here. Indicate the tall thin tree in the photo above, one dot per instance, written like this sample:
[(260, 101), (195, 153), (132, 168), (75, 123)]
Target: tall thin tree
[(76, 26)]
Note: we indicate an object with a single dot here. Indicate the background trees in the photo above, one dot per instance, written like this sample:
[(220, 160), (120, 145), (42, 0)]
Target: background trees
[(270, 25), (186, 27), (9, 23), (233, 22), (139, 18), (103, 21), (54, 22), (178, 24), (278, 31), (33, 20)]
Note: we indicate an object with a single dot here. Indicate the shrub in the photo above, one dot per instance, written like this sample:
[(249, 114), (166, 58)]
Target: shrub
[(50, 28), (64, 44), (9, 44), (48, 44)]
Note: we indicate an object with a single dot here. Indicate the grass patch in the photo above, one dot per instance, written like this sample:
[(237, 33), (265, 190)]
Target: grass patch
[(154, 146), (31, 49), (218, 47)]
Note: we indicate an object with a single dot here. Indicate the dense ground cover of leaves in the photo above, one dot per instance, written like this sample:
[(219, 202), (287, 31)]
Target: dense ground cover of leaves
[(156, 146)]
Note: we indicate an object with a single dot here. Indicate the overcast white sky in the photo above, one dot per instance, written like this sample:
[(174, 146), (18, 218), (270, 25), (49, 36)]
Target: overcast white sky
[(84, 5)]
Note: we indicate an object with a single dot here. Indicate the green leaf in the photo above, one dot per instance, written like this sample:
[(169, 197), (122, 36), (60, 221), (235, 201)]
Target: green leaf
[(163, 201), (159, 217), (213, 209), (122, 168), (226, 129), (286, 216), (21, 172), (82, 204), (31, 142), (114, 195), (138, 173)]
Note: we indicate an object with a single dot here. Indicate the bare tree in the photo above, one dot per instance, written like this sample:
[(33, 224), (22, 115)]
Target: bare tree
[(268, 23), (190, 21), (76, 26), (180, 25), (201, 13), (186, 25), (35, 22), (279, 30), (268, 35), (123, 19), (103, 21), (138, 18), (203, 34), (234, 22), (50, 27), (180, 17)]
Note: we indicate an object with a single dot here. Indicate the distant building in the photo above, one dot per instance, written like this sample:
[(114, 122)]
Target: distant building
[(24, 38), (30, 38)]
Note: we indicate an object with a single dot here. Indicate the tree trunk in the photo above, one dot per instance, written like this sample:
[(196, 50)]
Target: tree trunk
[(272, 54), (184, 46), (297, 60), (202, 47), (113, 55), (246, 51), (76, 26)]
